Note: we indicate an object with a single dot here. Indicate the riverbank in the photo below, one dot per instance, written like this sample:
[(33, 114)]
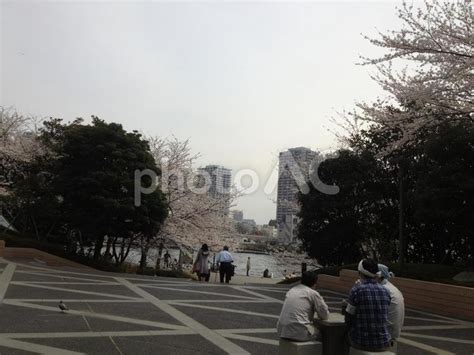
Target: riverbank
[(278, 263)]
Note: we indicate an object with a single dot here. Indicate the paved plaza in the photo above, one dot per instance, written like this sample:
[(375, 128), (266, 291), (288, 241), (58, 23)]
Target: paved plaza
[(128, 314)]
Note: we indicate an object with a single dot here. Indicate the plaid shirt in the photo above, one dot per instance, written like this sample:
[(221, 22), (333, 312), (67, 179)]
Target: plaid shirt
[(368, 328)]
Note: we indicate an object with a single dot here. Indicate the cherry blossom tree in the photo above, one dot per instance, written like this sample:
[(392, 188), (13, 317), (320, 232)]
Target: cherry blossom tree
[(195, 217), (435, 48), (18, 144)]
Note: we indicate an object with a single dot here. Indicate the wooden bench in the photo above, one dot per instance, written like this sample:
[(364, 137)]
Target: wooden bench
[(288, 347)]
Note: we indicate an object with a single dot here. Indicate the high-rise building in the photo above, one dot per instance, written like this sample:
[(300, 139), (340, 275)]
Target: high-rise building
[(219, 184), (293, 172)]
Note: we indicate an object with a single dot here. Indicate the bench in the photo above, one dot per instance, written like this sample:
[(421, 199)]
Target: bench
[(288, 347)]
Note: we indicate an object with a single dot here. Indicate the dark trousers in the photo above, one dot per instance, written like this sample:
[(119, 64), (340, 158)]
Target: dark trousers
[(204, 276), (225, 269)]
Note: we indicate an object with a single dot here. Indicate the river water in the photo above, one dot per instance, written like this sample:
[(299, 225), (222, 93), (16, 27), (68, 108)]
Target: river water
[(258, 262)]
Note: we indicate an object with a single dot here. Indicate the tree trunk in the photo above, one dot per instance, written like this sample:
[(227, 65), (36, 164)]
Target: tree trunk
[(98, 247), (126, 250), (145, 246), (36, 228), (107, 253)]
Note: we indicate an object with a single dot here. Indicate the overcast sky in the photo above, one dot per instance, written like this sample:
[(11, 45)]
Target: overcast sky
[(242, 80)]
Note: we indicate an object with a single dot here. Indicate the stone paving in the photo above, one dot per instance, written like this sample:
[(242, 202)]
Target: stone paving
[(128, 314)]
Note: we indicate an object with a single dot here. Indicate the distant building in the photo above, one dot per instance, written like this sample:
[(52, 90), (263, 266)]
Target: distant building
[(293, 171), (237, 215), (250, 222), (269, 231), (219, 184)]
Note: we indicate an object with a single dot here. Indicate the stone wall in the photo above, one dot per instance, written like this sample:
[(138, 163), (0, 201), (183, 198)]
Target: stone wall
[(443, 299)]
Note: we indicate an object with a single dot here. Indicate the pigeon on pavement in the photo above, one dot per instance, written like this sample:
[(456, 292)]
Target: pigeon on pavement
[(62, 306)]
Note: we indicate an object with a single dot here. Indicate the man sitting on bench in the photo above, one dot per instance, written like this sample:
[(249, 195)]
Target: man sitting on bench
[(367, 311), (297, 315)]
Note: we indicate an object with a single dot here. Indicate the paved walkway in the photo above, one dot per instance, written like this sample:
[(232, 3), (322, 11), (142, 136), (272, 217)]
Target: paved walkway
[(238, 279), (128, 314)]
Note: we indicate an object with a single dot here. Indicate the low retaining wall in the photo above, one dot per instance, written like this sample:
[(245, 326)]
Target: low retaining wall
[(35, 254), (443, 299)]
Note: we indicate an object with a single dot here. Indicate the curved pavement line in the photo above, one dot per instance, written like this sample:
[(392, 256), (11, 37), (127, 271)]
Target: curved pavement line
[(220, 309), (97, 334), (446, 339), (35, 348), (259, 295), (99, 315), (73, 290), (5, 279), (251, 339), (453, 320), (205, 332), (200, 292), (423, 346), (58, 276)]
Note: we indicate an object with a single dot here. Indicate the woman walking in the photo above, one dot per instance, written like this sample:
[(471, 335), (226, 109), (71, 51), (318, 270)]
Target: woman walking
[(201, 266)]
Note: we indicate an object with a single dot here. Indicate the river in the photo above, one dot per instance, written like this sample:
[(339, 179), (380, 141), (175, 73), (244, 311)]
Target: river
[(258, 262)]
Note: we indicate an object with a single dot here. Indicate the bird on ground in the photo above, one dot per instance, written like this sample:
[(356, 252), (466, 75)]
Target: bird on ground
[(62, 306)]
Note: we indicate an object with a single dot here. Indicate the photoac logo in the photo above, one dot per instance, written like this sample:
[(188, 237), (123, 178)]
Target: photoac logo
[(217, 181)]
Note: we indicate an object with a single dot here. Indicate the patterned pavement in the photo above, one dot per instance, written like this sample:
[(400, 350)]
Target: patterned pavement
[(128, 314)]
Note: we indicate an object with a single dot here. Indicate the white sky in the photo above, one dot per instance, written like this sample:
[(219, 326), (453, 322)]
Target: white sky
[(242, 80)]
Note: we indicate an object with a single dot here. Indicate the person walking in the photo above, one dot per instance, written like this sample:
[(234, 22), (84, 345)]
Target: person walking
[(167, 259), (201, 265), (224, 260), (248, 265)]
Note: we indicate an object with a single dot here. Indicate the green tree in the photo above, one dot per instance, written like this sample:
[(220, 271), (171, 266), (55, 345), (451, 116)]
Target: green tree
[(85, 179), (441, 195), (339, 229), (438, 189)]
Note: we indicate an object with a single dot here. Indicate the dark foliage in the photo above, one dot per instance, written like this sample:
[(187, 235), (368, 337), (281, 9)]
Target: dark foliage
[(362, 219), (81, 189)]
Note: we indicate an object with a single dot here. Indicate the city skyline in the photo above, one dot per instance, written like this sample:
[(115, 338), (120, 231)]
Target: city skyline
[(242, 81)]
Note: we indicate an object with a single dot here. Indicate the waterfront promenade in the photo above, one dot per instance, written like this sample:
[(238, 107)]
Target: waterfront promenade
[(130, 314)]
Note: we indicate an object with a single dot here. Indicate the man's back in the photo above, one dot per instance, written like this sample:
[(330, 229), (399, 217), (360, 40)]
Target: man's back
[(297, 314), (396, 311), (368, 329), (224, 257)]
